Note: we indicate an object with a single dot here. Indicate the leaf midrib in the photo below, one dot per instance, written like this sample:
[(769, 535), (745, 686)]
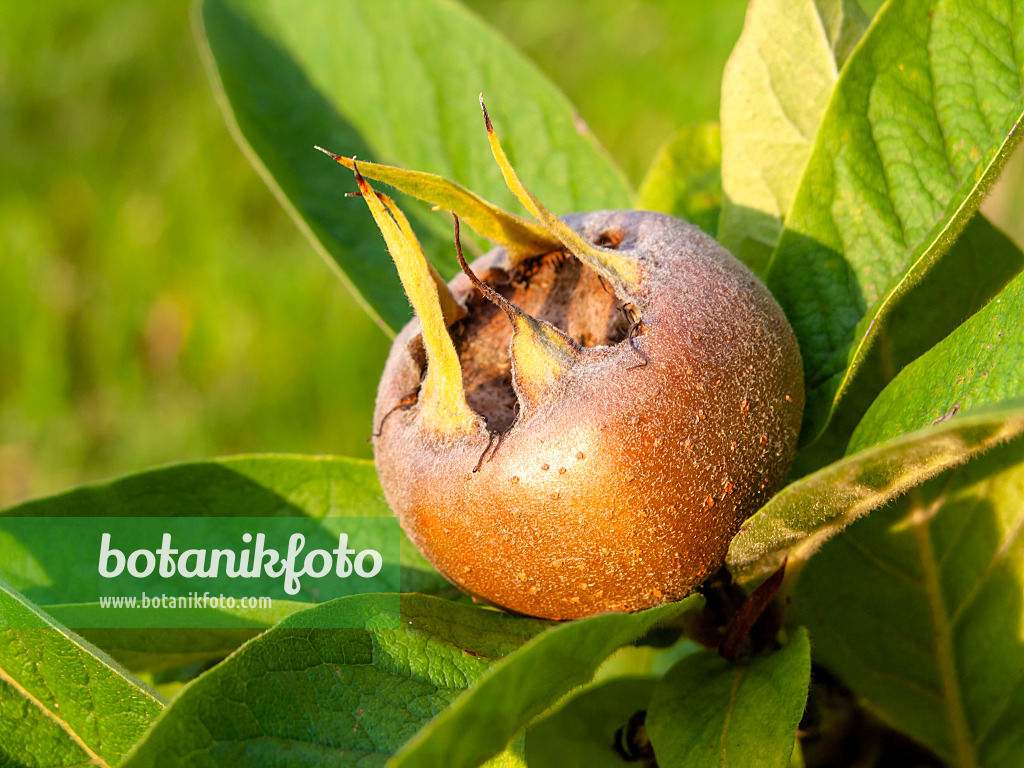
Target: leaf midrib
[(940, 245), (728, 713), (952, 699), (94, 759)]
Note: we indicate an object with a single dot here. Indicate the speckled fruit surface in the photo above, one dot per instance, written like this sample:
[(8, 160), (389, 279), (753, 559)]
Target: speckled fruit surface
[(622, 488)]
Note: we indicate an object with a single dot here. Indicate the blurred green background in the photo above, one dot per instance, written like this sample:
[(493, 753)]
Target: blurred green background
[(156, 303)]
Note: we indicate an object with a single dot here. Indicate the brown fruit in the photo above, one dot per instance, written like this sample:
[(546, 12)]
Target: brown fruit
[(652, 402)]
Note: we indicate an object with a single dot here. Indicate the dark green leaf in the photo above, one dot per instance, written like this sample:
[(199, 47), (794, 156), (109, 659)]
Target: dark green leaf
[(923, 117), (776, 87), (979, 265), (525, 684), (816, 507), (980, 363), (961, 397), (397, 82), (711, 712), (248, 486), (303, 694), (268, 485), (584, 730), (62, 702), (918, 608), (685, 178)]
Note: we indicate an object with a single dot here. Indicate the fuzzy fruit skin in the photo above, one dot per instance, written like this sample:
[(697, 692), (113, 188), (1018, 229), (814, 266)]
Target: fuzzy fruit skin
[(623, 490)]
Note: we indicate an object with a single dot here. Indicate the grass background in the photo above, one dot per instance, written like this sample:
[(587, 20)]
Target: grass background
[(157, 305)]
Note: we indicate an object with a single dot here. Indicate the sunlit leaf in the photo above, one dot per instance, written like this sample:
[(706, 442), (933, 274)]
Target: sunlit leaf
[(814, 508), (291, 77), (923, 117), (304, 691), (775, 89), (62, 701), (918, 608), (685, 178), (246, 486)]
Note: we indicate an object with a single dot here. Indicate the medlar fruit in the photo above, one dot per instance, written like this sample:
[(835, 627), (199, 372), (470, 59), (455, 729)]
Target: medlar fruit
[(582, 420)]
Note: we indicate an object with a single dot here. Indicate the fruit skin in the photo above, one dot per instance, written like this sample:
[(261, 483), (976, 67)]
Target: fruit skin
[(623, 489)]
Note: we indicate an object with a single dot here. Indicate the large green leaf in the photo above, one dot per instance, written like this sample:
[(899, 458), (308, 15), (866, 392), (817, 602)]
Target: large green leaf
[(304, 694), (584, 729), (775, 88), (980, 363), (247, 486), (964, 395), (62, 702), (923, 117), (918, 608), (398, 82), (804, 514), (711, 712), (524, 684), (979, 265), (685, 178), (268, 485)]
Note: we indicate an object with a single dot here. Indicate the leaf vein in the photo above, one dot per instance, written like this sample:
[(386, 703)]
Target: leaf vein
[(952, 698), (94, 759), (883, 566), (947, 155), (1000, 553), (722, 760), (1001, 707)]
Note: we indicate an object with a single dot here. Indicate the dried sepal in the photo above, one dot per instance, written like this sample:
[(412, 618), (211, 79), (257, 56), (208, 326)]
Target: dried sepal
[(442, 406), (617, 266), (450, 306), (520, 237)]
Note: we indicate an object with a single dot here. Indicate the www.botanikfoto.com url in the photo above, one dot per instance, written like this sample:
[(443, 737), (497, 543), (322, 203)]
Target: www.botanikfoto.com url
[(191, 600)]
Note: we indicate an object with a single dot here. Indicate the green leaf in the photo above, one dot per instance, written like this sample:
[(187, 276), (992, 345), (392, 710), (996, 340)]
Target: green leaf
[(248, 486), (711, 712), (805, 513), (397, 82), (514, 755), (269, 485), (685, 178), (303, 694), (63, 703), (583, 730), (925, 113), (978, 266), (963, 396), (658, 653), (917, 607), (776, 86), (523, 685), (980, 363)]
